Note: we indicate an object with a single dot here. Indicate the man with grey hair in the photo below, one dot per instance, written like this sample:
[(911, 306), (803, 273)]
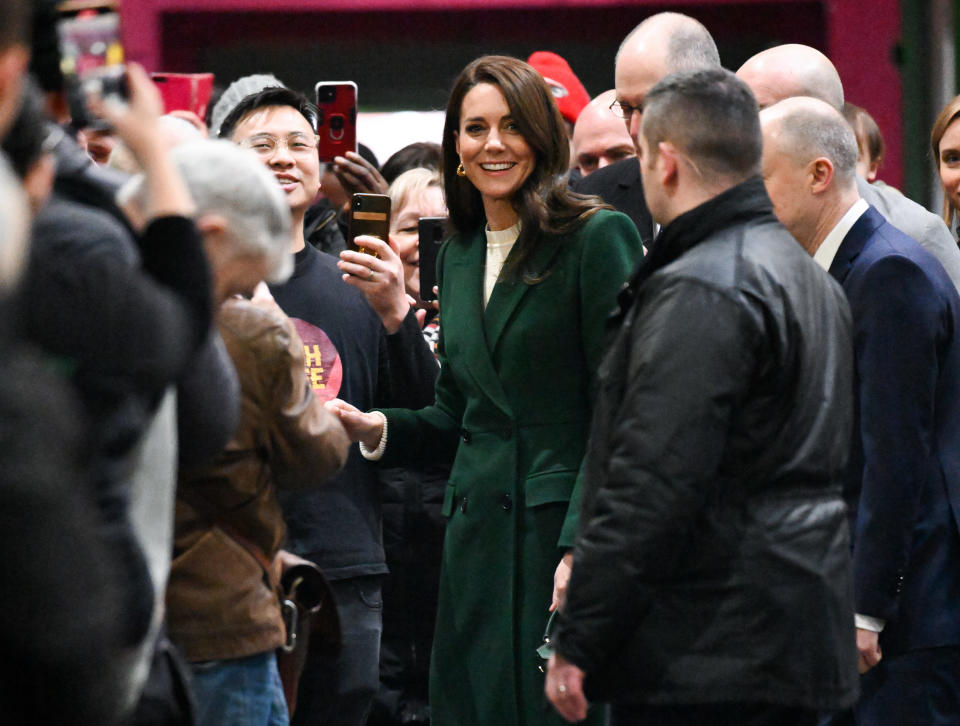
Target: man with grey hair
[(662, 44), (222, 607), (711, 574), (902, 483), (799, 70), (241, 213)]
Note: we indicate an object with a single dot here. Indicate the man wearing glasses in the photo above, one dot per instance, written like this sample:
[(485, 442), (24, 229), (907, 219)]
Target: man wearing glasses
[(369, 357), (662, 44)]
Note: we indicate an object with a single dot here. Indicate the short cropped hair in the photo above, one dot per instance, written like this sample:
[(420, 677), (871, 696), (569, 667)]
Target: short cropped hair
[(689, 46), (807, 134), (275, 96), (230, 181), (712, 116)]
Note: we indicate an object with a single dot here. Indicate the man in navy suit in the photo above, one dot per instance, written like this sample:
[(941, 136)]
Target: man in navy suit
[(903, 477)]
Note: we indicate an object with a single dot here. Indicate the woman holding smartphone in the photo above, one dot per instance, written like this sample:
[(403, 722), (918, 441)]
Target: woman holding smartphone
[(526, 284)]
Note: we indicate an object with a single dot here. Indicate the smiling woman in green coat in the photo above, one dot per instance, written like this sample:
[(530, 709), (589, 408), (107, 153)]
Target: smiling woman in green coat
[(526, 285)]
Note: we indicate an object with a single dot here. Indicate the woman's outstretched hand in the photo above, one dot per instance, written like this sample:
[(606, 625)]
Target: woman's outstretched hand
[(366, 428)]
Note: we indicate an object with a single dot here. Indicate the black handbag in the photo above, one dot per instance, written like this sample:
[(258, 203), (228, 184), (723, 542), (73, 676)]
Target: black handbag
[(310, 614)]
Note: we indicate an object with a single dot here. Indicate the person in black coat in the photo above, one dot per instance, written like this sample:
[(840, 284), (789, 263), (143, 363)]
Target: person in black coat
[(711, 578)]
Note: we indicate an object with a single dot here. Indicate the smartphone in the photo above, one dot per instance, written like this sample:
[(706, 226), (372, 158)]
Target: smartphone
[(91, 54), (337, 118), (431, 233), (185, 91), (369, 214)]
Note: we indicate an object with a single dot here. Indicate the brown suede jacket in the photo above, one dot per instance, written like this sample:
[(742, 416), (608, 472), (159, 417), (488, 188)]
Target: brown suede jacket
[(221, 603)]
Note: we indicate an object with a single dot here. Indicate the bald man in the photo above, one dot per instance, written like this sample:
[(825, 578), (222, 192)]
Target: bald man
[(799, 70), (599, 137), (902, 484), (662, 44)]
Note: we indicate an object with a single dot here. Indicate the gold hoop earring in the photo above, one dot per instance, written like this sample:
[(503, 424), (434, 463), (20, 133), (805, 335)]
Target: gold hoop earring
[(460, 170)]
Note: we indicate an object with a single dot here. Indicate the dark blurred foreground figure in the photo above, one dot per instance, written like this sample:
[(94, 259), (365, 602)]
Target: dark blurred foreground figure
[(59, 606), (711, 577), (901, 484)]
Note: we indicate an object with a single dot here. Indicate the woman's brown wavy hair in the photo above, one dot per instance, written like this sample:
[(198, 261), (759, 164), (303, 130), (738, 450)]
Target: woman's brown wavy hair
[(547, 208)]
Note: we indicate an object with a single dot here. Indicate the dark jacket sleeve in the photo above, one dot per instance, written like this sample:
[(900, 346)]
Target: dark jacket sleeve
[(408, 369), (611, 250), (124, 329), (208, 404), (688, 365), (898, 334), (61, 611)]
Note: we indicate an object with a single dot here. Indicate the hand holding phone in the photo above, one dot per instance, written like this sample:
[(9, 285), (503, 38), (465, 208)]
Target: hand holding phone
[(336, 119), (185, 91), (91, 55), (358, 176), (370, 215)]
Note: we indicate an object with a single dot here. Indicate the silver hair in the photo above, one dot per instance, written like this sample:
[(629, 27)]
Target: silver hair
[(230, 181), (807, 134), (690, 46), (822, 83)]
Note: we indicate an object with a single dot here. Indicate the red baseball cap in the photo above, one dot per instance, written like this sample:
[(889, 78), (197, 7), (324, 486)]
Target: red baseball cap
[(567, 90)]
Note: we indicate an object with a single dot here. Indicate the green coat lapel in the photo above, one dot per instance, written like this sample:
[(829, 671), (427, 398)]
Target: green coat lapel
[(462, 299), (507, 295)]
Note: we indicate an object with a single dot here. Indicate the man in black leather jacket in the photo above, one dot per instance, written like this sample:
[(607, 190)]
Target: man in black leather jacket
[(711, 581)]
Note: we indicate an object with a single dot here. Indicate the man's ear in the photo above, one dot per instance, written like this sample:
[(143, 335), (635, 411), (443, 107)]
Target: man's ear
[(669, 162), (213, 228), (820, 174), (872, 171)]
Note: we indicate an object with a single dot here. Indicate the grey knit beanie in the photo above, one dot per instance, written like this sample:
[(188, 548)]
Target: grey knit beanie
[(235, 93)]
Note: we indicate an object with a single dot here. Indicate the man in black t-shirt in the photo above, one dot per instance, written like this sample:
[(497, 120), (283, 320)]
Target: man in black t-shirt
[(364, 355)]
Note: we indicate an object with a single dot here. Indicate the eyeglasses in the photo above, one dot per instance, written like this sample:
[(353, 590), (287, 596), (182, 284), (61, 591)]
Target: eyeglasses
[(267, 144), (625, 110)]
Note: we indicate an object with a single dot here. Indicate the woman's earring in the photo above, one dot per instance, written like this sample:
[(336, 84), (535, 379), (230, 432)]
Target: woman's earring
[(460, 170)]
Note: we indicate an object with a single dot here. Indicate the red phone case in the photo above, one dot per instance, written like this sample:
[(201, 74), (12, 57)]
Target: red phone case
[(185, 91), (337, 121)]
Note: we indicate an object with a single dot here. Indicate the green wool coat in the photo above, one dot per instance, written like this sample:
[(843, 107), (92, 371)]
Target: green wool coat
[(512, 410)]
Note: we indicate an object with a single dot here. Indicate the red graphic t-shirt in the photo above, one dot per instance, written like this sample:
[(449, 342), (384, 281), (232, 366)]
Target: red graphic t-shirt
[(321, 361)]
